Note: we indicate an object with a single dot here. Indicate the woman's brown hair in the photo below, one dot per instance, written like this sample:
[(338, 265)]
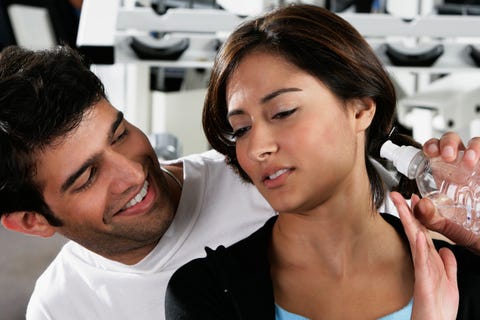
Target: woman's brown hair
[(319, 42)]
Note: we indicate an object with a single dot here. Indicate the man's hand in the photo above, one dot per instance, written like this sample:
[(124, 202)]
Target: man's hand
[(448, 148)]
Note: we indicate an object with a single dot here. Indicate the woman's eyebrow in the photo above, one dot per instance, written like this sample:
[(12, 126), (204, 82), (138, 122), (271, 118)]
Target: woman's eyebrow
[(276, 93), (265, 99)]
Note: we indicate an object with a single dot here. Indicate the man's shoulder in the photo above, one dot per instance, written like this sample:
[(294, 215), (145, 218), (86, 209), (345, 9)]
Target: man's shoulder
[(61, 265), (72, 273), (53, 284), (209, 167)]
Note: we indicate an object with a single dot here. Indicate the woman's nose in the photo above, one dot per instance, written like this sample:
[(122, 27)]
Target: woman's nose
[(261, 143)]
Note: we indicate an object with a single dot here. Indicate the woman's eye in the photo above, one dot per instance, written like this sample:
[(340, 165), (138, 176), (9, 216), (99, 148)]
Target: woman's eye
[(239, 132), (284, 114)]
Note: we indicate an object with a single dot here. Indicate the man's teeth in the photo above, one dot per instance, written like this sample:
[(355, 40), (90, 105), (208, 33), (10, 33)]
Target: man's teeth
[(277, 174), (139, 197)]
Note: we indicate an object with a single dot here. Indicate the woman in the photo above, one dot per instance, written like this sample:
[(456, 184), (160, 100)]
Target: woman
[(297, 102)]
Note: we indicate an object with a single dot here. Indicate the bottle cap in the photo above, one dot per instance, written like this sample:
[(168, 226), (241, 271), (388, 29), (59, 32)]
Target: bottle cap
[(401, 156)]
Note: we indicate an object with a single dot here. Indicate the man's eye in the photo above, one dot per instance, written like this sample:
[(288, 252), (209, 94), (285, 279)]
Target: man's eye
[(90, 179), (284, 114), (121, 136)]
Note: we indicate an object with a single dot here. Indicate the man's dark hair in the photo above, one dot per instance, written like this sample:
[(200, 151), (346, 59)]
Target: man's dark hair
[(43, 96)]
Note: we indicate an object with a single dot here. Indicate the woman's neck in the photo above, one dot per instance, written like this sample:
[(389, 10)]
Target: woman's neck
[(328, 240), (341, 227), (314, 260)]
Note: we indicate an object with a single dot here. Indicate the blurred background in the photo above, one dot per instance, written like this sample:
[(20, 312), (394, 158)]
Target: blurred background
[(22, 260)]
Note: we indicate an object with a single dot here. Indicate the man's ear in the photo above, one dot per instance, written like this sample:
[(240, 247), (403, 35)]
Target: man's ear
[(364, 112), (27, 222)]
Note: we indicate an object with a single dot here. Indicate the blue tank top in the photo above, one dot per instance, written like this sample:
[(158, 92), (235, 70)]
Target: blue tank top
[(402, 314)]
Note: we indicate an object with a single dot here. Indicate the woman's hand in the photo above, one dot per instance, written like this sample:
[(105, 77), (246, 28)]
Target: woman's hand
[(435, 294)]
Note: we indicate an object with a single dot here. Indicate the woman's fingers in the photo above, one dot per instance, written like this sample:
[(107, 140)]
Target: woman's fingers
[(435, 291)]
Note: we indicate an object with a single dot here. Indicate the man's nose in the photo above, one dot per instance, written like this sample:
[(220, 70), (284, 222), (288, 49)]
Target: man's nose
[(125, 173)]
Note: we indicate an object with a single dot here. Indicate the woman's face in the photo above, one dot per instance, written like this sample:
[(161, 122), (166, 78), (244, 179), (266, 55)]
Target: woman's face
[(297, 141)]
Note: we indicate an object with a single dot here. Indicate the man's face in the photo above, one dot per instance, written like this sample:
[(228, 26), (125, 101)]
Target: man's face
[(103, 181)]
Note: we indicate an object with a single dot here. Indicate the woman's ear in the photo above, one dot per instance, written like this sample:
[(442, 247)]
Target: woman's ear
[(31, 223), (364, 109)]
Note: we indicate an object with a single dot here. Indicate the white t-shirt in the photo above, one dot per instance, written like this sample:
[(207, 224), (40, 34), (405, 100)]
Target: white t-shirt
[(215, 208)]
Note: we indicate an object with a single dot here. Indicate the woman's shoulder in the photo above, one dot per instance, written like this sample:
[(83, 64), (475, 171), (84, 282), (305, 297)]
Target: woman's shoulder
[(468, 272), (467, 261), (468, 279), (244, 254), (223, 278)]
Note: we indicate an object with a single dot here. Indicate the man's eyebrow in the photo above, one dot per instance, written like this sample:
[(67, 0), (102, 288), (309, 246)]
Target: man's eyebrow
[(265, 99), (115, 125), (90, 161)]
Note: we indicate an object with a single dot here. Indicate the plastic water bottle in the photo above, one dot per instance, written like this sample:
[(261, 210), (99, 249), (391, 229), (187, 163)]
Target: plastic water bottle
[(454, 189)]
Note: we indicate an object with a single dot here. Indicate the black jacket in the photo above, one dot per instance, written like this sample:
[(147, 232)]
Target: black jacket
[(234, 283)]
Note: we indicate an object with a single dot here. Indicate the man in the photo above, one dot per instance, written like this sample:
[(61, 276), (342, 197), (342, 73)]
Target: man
[(71, 164)]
